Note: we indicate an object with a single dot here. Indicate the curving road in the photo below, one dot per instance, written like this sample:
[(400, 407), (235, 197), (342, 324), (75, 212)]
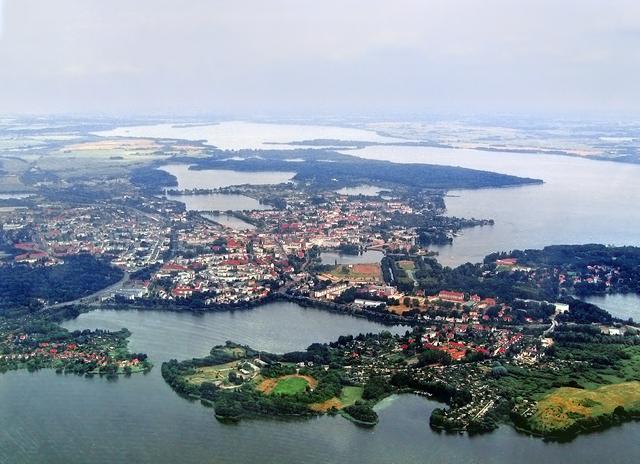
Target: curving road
[(93, 296)]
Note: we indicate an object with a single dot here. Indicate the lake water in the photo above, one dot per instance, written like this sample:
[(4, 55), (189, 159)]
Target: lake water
[(218, 202), (217, 178), (229, 220), (369, 256), (70, 419), (582, 201), (14, 196), (368, 190), (236, 135), (620, 305), (165, 334)]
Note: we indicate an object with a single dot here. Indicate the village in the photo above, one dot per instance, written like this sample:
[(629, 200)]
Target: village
[(84, 352)]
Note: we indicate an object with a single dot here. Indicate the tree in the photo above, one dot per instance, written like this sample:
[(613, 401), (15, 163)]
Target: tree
[(429, 357), (376, 388), (362, 412)]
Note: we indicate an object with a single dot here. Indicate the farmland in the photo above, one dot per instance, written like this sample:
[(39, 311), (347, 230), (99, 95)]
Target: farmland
[(566, 408)]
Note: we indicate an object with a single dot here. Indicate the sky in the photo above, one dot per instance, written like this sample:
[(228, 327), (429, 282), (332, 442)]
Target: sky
[(309, 57)]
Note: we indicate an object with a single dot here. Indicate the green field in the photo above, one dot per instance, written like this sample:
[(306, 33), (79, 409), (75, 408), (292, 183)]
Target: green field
[(367, 272), (290, 386), (219, 372), (565, 407), (407, 265), (350, 395)]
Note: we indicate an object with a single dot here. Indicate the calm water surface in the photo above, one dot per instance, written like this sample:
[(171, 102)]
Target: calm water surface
[(276, 327), (369, 256), (218, 202), (46, 417), (235, 135), (67, 419), (582, 201), (624, 306), (229, 221), (14, 196), (217, 178), (368, 190)]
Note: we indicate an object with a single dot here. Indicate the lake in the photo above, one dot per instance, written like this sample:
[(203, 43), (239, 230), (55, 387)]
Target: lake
[(140, 419), (620, 305), (237, 135), (276, 327), (582, 201), (14, 196), (369, 256), (71, 419), (229, 220), (218, 202), (218, 178), (367, 190)]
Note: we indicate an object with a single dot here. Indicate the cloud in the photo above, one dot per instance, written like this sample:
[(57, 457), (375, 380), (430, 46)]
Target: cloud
[(304, 56), (1, 17)]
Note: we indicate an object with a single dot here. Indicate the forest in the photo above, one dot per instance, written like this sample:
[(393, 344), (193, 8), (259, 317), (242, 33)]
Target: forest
[(345, 169), (152, 179), (31, 287), (248, 401)]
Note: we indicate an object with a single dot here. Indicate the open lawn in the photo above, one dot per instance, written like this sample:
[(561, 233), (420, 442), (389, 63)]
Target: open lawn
[(348, 397), (235, 351), (370, 272), (287, 385), (325, 406), (290, 386), (12, 184), (565, 406), (219, 372), (407, 265), (631, 367)]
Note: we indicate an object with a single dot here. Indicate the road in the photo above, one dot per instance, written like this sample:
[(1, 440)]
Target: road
[(93, 296), (484, 410), (291, 283), (554, 324)]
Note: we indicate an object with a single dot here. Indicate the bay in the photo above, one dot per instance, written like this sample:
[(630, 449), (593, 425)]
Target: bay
[(217, 178), (581, 201), (622, 305)]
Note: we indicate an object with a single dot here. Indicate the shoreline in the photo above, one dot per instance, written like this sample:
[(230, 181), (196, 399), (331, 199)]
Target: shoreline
[(386, 318)]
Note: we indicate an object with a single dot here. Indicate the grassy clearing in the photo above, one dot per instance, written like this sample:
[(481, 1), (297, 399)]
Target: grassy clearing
[(290, 386), (407, 265), (631, 367), (326, 405), (350, 395), (287, 384), (565, 406), (358, 272), (11, 183), (219, 372)]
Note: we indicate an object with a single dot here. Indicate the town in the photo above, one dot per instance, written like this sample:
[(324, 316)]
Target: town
[(364, 255)]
